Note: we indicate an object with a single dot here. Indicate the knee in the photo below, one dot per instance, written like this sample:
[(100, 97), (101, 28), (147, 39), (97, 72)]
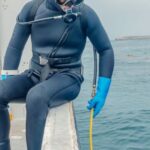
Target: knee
[(35, 101)]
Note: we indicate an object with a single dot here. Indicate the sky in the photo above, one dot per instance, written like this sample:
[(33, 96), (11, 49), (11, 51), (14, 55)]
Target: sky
[(123, 17)]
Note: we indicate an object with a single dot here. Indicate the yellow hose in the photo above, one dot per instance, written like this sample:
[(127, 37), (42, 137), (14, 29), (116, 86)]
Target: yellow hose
[(91, 120), (91, 129)]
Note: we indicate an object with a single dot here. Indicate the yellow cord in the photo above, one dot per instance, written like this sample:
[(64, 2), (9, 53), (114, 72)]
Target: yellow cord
[(91, 129), (91, 120)]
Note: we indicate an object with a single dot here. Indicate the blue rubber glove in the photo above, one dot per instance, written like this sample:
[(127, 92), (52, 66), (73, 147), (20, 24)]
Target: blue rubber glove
[(99, 100)]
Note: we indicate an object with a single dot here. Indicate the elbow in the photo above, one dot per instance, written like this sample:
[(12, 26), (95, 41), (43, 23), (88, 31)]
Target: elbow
[(106, 63), (106, 49), (106, 52)]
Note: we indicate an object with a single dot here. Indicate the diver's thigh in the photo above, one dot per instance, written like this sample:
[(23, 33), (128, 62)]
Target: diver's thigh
[(60, 88), (15, 87)]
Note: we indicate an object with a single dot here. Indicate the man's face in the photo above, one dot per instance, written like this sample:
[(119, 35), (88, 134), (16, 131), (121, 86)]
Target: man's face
[(65, 4), (61, 1)]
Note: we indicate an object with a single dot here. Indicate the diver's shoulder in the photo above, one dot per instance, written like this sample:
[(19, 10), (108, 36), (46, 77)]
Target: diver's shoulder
[(88, 9), (91, 17), (89, 12), (24, 14)]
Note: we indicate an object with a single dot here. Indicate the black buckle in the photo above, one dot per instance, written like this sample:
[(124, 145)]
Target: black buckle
[(33, 72), (29, 73), (36, 74)]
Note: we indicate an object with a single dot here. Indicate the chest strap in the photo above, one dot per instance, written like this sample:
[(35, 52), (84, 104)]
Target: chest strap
[(42, 60)]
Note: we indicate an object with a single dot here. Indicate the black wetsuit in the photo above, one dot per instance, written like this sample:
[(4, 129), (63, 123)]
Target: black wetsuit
[(61, 86)]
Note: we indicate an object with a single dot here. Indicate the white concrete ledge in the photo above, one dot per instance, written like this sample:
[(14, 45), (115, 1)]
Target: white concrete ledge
[(60, 132)]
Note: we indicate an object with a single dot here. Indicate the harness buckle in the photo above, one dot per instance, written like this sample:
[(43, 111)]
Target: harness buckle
[(43, 60)]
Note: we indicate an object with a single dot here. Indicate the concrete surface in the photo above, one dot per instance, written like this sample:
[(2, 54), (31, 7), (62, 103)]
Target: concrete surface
[(60, 131)]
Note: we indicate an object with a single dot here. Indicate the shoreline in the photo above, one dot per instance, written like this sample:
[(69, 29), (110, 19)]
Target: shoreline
[(124, 38)]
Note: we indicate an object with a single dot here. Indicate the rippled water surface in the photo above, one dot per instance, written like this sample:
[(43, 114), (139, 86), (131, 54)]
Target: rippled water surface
[(124, 123)]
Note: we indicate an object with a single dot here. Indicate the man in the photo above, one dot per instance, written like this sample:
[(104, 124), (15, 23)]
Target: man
[(55, 73)]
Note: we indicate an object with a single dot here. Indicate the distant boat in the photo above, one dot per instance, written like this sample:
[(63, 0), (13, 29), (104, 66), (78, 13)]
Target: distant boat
[(132, 38)]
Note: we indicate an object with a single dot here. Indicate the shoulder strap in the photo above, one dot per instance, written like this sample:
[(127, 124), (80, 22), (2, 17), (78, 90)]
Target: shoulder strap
[(61, 41), (83, 19), (36, 5)]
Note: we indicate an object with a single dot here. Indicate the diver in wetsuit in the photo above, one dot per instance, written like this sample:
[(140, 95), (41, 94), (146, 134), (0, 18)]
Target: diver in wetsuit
[(62, 54)]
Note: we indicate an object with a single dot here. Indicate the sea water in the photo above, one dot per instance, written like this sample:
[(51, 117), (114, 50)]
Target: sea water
[(124, 123)]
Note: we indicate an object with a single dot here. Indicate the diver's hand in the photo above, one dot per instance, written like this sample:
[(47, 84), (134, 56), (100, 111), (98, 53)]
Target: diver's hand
[(98, 101)]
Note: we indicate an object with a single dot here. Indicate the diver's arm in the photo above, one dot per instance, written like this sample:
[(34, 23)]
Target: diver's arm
[(100, 41), (18, 40)]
